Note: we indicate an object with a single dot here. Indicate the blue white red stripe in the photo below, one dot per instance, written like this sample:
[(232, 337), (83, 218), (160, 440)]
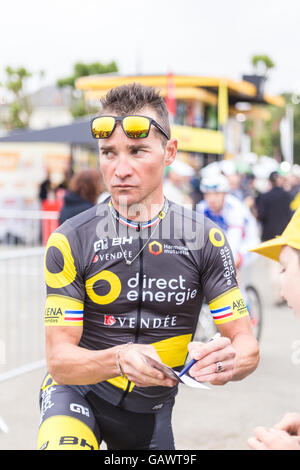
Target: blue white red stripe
[(73, 315), (142, 225), (220, 313)]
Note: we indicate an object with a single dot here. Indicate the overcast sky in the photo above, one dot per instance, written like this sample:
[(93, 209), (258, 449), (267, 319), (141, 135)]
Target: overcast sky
[(153, 37)]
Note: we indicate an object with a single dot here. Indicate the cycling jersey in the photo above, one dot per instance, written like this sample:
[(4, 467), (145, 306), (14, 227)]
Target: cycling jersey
[(177, 259)]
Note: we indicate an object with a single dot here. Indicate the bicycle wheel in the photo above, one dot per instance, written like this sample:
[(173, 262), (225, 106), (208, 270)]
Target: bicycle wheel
[(255, 310), (206, 327)]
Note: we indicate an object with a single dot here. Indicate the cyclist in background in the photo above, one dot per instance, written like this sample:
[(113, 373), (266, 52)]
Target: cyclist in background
[(231, 215), (234, 217)]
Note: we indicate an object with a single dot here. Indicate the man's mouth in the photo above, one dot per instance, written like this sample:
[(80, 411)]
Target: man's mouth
[(123, 186)]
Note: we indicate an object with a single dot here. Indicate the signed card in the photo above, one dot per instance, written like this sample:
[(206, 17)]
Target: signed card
[(186, 379)]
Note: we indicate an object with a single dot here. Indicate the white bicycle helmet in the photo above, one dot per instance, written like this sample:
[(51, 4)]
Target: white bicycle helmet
[(216, 184)]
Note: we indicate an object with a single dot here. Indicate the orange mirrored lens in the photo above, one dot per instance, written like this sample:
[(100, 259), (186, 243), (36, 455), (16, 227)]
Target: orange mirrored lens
[(102, 127), (136, 127)]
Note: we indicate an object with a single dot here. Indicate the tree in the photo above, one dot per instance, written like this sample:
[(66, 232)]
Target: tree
[(265, 135), (262, 64), (19, 108), (83, 70), (79, 106)]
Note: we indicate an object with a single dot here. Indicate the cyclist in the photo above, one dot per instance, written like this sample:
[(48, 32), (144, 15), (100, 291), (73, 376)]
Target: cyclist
[(231, 215), (126, 279)]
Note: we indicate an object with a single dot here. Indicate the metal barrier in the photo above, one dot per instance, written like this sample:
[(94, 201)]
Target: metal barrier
[(23, 235), (22, 299), (26, 228)]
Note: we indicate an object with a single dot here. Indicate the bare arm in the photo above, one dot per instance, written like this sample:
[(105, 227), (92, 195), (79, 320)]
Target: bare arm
[(245, 345), (71, 364)]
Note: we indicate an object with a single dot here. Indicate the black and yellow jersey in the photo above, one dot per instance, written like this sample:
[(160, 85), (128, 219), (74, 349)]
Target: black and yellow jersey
[(175, 261)]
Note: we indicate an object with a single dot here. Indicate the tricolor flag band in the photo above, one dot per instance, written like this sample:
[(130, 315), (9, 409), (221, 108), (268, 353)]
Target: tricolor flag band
[(221, 313), (228, 307), (73, 315)]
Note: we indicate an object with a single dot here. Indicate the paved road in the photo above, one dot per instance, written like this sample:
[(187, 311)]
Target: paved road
[(221, 418)]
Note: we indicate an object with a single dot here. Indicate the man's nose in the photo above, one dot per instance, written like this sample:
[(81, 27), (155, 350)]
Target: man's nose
[(123, 168)]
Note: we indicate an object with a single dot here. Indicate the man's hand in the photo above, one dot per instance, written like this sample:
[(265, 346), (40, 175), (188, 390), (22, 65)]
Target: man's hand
[(289, 423), (208, 355), (138, 371), (273, 439)]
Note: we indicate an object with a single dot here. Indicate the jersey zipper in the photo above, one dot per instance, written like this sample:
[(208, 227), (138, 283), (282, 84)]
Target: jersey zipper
[(139, 309)]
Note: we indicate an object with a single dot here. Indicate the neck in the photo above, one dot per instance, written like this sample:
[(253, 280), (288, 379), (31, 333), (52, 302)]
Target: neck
[(140, 211)]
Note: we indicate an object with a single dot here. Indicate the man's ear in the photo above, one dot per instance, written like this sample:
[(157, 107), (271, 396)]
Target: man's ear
[(171, 151)]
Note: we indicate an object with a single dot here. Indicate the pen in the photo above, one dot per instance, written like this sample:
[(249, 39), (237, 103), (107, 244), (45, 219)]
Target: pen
[(193, 361)]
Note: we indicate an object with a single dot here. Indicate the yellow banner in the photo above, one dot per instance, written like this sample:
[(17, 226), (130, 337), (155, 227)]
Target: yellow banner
[(223, 104), (193, 139)]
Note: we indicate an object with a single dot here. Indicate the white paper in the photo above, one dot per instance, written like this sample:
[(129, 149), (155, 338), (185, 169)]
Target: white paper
[(190, 382), (186, 379)]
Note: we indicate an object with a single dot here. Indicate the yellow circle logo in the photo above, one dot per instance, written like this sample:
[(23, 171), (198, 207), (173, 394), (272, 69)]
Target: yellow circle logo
[(115, 287), (216, 237), (67, 275), (155, 248)]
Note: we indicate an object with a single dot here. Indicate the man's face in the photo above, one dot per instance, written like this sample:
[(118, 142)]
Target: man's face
[(133, 169), (289, 278), (215, 201)]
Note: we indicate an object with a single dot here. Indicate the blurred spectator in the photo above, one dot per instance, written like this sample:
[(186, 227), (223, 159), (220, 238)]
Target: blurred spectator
[(250, 192), (53, 186), (177, 185), (274, 213), (196, 194), (83, 192), (273, 208), (235, 189), (45, 187), (295, 187)]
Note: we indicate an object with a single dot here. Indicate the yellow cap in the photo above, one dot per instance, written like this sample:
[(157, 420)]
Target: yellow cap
[(290, 236)]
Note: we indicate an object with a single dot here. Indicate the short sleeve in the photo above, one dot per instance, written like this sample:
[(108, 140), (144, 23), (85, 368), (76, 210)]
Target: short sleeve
[(219, 280), (64, 286)]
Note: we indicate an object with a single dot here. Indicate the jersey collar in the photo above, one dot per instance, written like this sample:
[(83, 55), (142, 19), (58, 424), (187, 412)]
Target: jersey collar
[(139, 225)]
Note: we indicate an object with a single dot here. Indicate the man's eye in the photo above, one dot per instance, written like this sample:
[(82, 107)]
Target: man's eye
[(138, 151), (106, 153)]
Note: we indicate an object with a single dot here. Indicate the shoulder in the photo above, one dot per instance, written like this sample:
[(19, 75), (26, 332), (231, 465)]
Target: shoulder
[(185, 213), (81, 222), (194, 227), (81, 228)]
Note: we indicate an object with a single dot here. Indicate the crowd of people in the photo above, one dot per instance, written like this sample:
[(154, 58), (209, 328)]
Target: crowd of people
[(249, 208), (271, 200)]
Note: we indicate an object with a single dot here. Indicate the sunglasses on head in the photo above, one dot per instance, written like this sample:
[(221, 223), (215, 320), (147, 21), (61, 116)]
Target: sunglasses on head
[(135, 127)]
